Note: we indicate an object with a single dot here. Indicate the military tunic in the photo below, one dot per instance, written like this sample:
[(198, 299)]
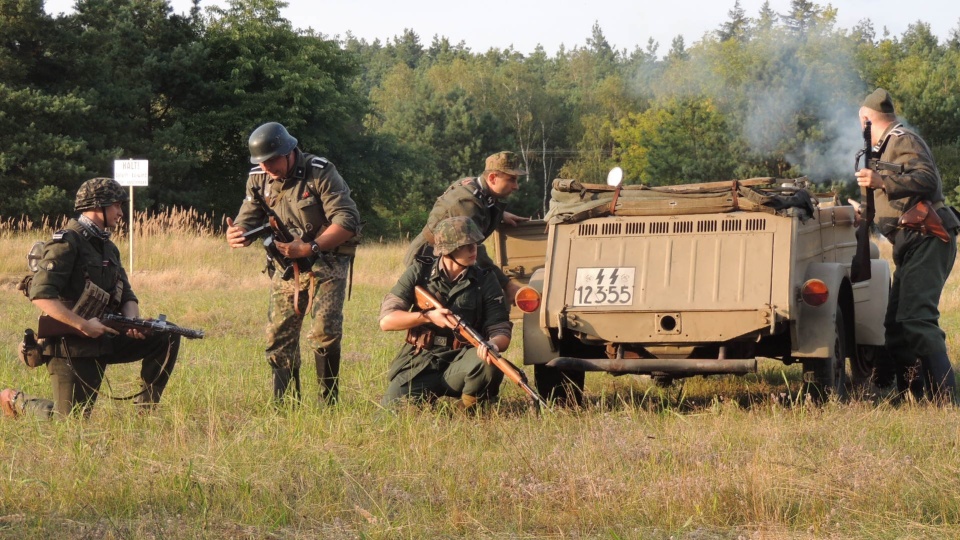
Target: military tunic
[(441, 370), (311, 198), (77, 365), (923, 263), (466, 197)]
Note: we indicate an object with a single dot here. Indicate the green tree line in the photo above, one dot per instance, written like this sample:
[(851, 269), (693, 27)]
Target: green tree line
[(765, 94)]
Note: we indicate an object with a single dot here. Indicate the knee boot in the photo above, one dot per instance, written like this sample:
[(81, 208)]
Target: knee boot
[(910, 380), (328, 374), (149, 397), (940, 377), (281, 381)]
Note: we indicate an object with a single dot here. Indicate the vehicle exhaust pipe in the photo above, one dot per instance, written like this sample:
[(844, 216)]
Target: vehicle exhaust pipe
[(679, 367)]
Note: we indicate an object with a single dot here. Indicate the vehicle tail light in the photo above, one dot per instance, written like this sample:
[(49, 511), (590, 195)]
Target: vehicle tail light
[(814, 292), (528, 299)]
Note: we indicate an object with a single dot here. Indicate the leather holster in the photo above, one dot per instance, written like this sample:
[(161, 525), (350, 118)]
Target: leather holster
[(924, 219)]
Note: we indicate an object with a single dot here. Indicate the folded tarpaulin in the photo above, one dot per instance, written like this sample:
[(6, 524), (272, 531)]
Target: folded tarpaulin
[(572, 201)]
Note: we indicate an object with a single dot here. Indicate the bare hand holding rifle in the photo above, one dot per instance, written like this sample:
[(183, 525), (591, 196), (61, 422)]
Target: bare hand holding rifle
[(279, 233), (427, 301), (48, 327)]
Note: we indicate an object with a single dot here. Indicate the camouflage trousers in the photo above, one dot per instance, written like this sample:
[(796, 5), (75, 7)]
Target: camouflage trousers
[(283, 323)]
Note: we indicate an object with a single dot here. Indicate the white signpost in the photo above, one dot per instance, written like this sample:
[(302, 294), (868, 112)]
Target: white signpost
[(131, 173)]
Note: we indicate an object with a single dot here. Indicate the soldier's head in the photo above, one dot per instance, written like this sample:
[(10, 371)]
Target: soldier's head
[(501, 172), (457, 238), (878, 108), (102, 199), (271, 147)]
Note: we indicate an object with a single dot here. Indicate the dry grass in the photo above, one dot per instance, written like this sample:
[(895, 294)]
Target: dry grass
[(718, 457)]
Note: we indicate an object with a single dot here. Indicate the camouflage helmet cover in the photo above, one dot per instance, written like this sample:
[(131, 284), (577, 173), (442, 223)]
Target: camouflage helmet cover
[(98, 193), (269, 141), (455, 232)]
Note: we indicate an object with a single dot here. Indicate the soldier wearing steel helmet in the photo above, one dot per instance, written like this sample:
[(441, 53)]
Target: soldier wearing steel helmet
[(433, 363), (313, 201), (80, 277)]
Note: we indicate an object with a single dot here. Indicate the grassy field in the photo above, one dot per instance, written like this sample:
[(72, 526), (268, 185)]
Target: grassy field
[(718, 457)]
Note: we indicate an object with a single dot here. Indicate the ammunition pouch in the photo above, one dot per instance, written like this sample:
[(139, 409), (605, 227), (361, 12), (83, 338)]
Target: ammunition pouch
[(923, 218), (32, 355), (426, 338), (93, 301)]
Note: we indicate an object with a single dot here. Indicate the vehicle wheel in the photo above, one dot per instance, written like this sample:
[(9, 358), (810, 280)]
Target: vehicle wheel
[(825, 376), (562, 386)]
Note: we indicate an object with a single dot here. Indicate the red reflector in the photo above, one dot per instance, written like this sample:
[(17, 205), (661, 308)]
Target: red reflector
[(528, 299), (814, 292)]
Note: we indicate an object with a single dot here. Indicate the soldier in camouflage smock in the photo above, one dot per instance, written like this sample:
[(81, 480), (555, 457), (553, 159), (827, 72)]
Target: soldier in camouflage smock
[(313, 201), (913, 336), (80, 275), (433, 363), (482, 200)]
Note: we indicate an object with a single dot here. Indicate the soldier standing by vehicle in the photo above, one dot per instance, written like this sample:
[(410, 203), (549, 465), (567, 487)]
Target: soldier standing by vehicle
[(923, 259), (481, 200), (79, 278), (311, 199), (433, 362)]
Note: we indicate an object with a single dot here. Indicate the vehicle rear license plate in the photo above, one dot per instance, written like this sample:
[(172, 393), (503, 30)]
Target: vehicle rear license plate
[(612, 286)]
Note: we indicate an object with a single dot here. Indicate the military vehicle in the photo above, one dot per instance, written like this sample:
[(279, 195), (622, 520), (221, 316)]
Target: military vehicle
[(697, 279)]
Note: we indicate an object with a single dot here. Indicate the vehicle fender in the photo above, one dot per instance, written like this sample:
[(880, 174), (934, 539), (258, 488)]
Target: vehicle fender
[(812, 329), (871, 304), (538, 347)]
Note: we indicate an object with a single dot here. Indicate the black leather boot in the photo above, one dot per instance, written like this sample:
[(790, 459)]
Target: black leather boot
[(941, 379), (328, 374), (281, 381)]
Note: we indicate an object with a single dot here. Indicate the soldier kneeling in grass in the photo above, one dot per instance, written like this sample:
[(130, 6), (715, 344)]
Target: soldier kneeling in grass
[(78, 279), (433, 363)]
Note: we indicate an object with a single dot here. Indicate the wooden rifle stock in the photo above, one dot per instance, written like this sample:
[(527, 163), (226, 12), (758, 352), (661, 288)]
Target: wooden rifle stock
[(427, 301)]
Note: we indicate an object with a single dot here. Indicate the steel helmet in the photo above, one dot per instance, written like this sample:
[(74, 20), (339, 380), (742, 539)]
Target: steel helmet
[(269, 141), (455, 232), (98, 193)]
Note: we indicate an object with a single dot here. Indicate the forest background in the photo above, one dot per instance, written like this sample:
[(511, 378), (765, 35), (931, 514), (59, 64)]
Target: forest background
[(765, 94)]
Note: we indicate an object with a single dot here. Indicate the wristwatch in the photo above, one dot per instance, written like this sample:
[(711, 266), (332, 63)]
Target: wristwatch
[(314, 247)]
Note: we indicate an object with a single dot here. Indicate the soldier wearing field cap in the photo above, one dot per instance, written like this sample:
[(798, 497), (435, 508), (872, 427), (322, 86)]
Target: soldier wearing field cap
[(923, 260), (482, 200), (433, 363), (79, 277)]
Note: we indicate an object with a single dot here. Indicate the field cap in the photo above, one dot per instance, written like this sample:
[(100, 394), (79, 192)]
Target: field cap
[(455, 232), (879, 101), (505, 162)]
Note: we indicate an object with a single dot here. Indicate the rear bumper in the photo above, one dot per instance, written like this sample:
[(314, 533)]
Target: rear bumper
[(679, 367)]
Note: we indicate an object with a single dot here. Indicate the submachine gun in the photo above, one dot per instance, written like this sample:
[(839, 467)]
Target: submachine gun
[(860, 268), (48, 327), (427, 301), (276, 231)]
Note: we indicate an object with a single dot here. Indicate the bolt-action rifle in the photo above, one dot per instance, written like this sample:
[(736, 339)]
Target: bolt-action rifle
[(427, 301), (48, 327)]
